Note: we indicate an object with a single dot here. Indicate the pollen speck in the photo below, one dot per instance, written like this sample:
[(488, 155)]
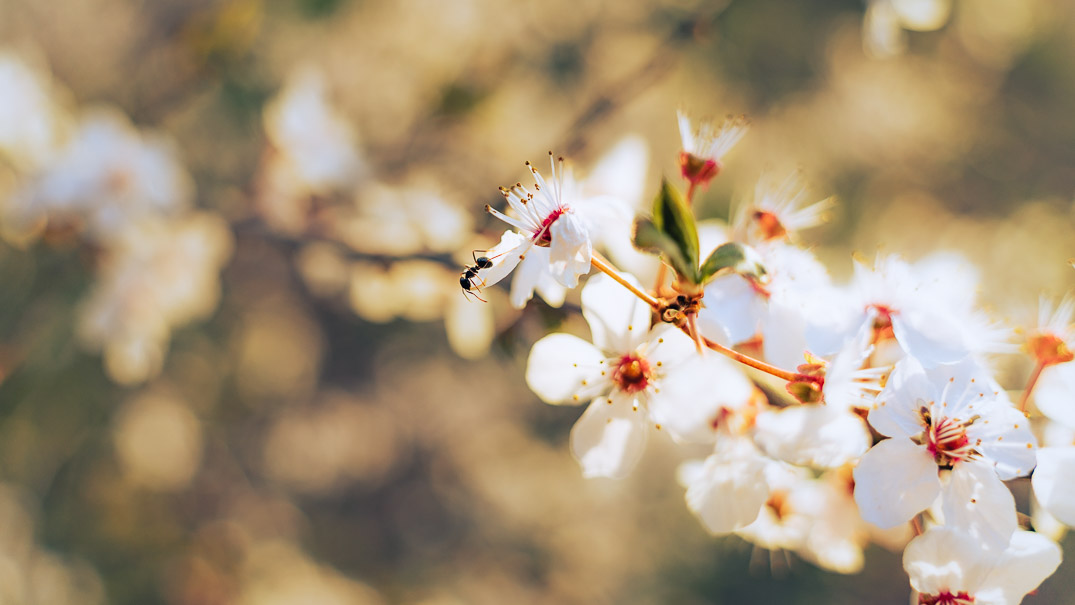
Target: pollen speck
[(660, 340), (657, 426), (583, 383), (973, 501)]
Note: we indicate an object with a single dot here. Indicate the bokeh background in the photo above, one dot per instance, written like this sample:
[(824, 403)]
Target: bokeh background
[(236, 365)]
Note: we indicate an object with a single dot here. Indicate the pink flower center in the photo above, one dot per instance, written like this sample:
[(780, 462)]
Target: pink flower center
[(632, 373), (543, 237), (945, 598), (882, 323), (697, 170), (946, 439)]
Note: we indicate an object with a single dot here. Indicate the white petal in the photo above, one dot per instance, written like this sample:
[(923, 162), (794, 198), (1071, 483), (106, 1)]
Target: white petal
[(550, 290), (562, 366), (727, 493), (812, 435), (570, 250), (1053, 484), (505, 256), (619, 321), (1028, 560), (1006, 440), (527, 275), (609, 438), (896, 413), (732, 312), (894, 481), (1055, 393), (691, 395), (932, 338), (944, 559), (975, 500)]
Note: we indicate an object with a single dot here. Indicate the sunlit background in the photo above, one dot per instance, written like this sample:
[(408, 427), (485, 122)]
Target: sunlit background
[(236, 363)]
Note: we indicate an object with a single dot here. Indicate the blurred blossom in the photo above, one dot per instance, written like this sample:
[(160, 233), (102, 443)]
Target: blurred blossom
[(158, 441), (30, 575), (885, 22), (399, 221), (324, 268), (31, 121), (421, 290), (995, 32), (337, 440), (278, 353), (157, 276), (313, 151), (277, 573), (105, 178)]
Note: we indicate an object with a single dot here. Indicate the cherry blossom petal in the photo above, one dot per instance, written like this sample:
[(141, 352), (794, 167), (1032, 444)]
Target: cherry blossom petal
[(505, 257), (1028, 560), (1006, 440), (527, 275), (609, 437), (896, 413), (562, 367), (691, 395), (812, 435), (1054, 394), (733, 310), (1052, 482), (945, 559), (727, 493), (931, 338), (894, 481), (570, 250), (619, 321), (975, 500)]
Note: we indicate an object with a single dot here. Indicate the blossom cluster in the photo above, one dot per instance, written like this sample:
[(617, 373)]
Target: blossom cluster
[(892, 427)]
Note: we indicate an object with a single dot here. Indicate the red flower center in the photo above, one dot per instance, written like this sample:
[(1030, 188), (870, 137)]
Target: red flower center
[(543, 237), (945, 598), (946, 439), (632, 373), (698, 171)]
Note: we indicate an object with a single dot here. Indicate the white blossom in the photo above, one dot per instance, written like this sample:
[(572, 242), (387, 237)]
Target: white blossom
[(633, 377), (552, 240), (954, 434), (948, 566)]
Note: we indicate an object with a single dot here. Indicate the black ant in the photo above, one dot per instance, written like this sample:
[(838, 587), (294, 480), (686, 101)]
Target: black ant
[(470, 274)]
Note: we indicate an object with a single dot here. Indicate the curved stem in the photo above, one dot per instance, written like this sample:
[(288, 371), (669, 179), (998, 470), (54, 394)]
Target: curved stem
[(603, 265), (750, 361)]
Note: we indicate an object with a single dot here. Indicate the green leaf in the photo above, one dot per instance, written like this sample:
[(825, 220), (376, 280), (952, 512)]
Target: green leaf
[(673, 217), (649, 238), (733, 257)]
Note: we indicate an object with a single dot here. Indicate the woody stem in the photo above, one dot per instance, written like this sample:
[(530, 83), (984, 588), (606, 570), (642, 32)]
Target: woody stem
[(603, 266), (750, 361)]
